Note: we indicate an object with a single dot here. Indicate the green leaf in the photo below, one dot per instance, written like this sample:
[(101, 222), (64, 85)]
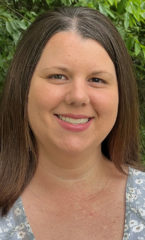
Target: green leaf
[(117, 2), (22, 25), (9, 27), (110, 13), (143, 5), (136, 15), (130, 42), (143, 50), (48, 2), (16, 37), (111, 2), (126, 20), (66, 2), (129, 8), (5, 14), (137, 48), (143, 15), (14, 24), (121, 7), (102, 9)]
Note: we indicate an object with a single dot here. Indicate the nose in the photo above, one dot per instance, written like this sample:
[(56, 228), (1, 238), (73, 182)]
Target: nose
[(77, 94)]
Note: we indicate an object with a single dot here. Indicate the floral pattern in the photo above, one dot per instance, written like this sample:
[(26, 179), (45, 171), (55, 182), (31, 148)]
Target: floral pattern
[(15, 225), (135, 206)]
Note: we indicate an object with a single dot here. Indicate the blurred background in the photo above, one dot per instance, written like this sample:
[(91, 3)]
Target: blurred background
[(127, 15)]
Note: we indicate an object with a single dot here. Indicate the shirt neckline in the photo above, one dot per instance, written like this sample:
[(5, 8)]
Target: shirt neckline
[(126, 192)]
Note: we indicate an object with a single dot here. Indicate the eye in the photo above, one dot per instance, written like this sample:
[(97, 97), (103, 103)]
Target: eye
[(96, 80), (56, 76)]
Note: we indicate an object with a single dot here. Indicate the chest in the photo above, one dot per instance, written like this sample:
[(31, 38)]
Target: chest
[(93, 219)]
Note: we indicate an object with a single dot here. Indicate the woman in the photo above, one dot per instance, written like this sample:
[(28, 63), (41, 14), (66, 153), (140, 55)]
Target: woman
[(69, 142)]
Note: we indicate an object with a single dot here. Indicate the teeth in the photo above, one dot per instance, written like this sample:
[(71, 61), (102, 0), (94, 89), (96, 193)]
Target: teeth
[(73, 121)]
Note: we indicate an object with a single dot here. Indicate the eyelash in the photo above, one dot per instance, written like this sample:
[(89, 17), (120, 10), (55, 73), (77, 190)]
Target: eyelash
[(63, 77), (56, 76), (99, 80)]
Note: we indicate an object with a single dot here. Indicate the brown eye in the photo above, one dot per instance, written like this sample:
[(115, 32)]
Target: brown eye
[(57, 76), (96, 80)]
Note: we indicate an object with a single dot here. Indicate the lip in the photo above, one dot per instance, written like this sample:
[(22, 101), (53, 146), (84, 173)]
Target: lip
[(74, 127)]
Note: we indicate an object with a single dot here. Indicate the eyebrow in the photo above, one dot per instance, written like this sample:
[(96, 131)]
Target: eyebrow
[(56, 67), (64, 69)]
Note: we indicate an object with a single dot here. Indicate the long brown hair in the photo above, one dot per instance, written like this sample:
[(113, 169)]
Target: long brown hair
[(18, 148)]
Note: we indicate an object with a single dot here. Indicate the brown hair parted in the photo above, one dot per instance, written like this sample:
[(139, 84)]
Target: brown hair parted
[(18, 148)]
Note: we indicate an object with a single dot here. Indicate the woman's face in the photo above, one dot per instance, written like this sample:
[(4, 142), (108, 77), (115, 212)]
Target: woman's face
[(73, 96)]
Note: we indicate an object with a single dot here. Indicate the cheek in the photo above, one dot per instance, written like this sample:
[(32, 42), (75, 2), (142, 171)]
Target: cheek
[(105, 102), (43, 97)]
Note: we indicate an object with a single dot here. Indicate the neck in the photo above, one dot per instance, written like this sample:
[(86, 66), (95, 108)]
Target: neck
[(70, 165), (79, 176), (69, 171)]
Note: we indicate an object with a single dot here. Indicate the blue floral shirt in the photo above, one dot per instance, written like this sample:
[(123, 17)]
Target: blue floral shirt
[(15, 225)]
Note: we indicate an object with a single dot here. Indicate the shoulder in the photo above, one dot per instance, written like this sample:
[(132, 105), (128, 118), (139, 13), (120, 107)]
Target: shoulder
[(135, 189), (14, 225), (135, 205), (136, 181)]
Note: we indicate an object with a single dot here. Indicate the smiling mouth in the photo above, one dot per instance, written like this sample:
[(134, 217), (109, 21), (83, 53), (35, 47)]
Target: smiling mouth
[(73, 120)]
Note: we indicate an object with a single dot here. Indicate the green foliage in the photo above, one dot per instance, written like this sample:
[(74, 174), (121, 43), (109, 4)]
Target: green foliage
[(127, 15)]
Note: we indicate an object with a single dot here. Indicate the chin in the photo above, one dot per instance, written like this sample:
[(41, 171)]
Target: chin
[(75, 147)]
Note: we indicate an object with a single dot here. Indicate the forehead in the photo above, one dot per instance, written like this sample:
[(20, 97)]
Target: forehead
[(71, 48)]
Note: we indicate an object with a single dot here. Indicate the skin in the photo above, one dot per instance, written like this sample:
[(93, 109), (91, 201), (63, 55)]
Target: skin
[(79, 91), (74, 75)]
